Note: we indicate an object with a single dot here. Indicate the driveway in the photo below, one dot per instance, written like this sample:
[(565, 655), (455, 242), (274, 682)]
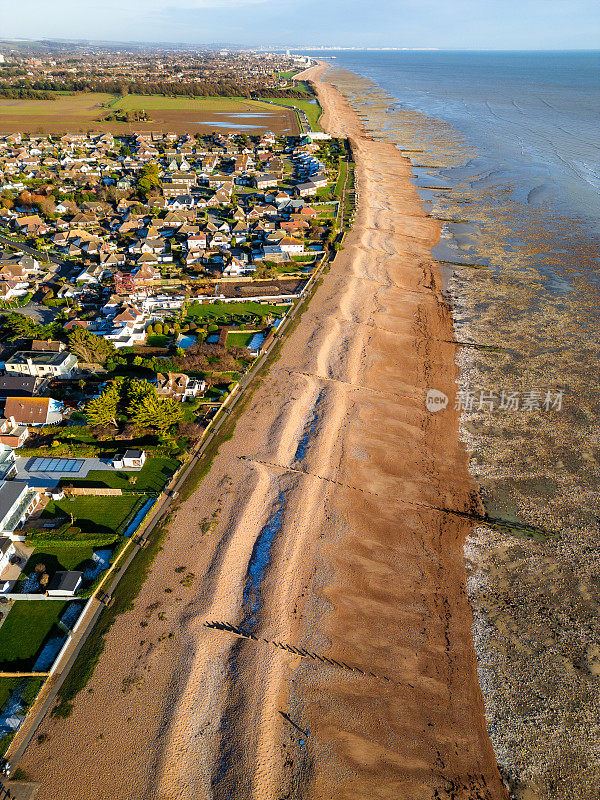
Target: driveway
[(38, 313)]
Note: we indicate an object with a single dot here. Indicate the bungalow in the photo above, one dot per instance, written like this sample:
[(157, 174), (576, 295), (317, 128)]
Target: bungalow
[(182, 201), (307, 189), (194, 256), (112, 259), (319, 180), (236, 267), (264, 181), (146, 272), (20, 386), (8, 552), (91, 275), (11, 289), (195, 241), (273, 252)]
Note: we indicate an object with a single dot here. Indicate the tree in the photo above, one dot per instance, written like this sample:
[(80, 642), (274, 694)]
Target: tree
[(89, 347), (133, 391), (148, 179), (103, 410), (159, 413), (18, 326)]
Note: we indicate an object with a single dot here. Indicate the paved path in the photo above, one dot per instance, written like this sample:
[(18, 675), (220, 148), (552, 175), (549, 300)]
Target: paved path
[(38, 479)]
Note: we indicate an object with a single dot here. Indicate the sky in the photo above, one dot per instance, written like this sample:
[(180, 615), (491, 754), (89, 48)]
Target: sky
[(445, 24)]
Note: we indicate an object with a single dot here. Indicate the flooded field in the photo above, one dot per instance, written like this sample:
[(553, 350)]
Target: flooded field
[(79, 113), (521, 272)]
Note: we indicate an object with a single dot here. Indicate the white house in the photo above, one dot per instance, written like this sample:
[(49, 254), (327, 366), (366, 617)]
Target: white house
[(129, 328), (17, 501), (292, 246), (130, 459)]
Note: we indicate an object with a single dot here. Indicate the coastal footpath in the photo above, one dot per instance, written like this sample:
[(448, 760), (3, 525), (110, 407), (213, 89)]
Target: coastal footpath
[(332, 522)]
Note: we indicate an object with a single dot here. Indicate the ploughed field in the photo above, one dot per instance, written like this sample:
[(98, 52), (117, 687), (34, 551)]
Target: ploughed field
[(75, 113)]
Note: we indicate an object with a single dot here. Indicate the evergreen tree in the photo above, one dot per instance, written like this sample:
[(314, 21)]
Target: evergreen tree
[(152, 411), (103, 410)]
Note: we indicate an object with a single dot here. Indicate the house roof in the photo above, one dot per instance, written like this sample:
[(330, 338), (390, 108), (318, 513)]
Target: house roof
[(133, 454), (48, 346), (17, 385), (65, 581), (10, 493), (27, 410)]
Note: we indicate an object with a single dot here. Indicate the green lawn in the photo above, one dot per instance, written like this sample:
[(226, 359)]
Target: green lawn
[(288, 269), (227, 311), (7, 686), (158, 340), (239, 338), (26, 627), (57, 557), (151, 478), (343, 172), (312, 110), (158, 102), (94, 514)]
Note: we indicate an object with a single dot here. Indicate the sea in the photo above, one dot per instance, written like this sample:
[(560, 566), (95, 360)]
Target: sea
[(505, 152)]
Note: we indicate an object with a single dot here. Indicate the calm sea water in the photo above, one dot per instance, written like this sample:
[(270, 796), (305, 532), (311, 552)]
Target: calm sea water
[(535, 116), (505, 149)]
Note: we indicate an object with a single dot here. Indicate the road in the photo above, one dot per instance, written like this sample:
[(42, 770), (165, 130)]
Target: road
[(41, 255)]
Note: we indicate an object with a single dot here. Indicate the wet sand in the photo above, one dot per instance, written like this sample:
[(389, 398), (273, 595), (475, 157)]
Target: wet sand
[(322, 525)]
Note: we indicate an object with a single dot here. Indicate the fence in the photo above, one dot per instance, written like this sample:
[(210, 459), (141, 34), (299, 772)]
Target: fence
[(95, 491)]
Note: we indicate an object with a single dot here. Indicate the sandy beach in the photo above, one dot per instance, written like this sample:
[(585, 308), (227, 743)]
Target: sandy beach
[(325, 523)]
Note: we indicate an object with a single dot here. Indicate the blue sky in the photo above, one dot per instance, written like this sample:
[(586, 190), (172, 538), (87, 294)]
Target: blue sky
[(463, 24)]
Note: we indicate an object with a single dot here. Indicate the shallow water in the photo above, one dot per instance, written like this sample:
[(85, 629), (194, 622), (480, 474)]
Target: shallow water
[(508, 144), (259, 563)]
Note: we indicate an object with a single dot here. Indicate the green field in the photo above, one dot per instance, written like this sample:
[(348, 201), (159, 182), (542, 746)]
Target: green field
[(158, 102), (311, 109), (151, 478), (26, 627), (157, 340), (228, 311), (94, 514), (84, 105), (86, 111)]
